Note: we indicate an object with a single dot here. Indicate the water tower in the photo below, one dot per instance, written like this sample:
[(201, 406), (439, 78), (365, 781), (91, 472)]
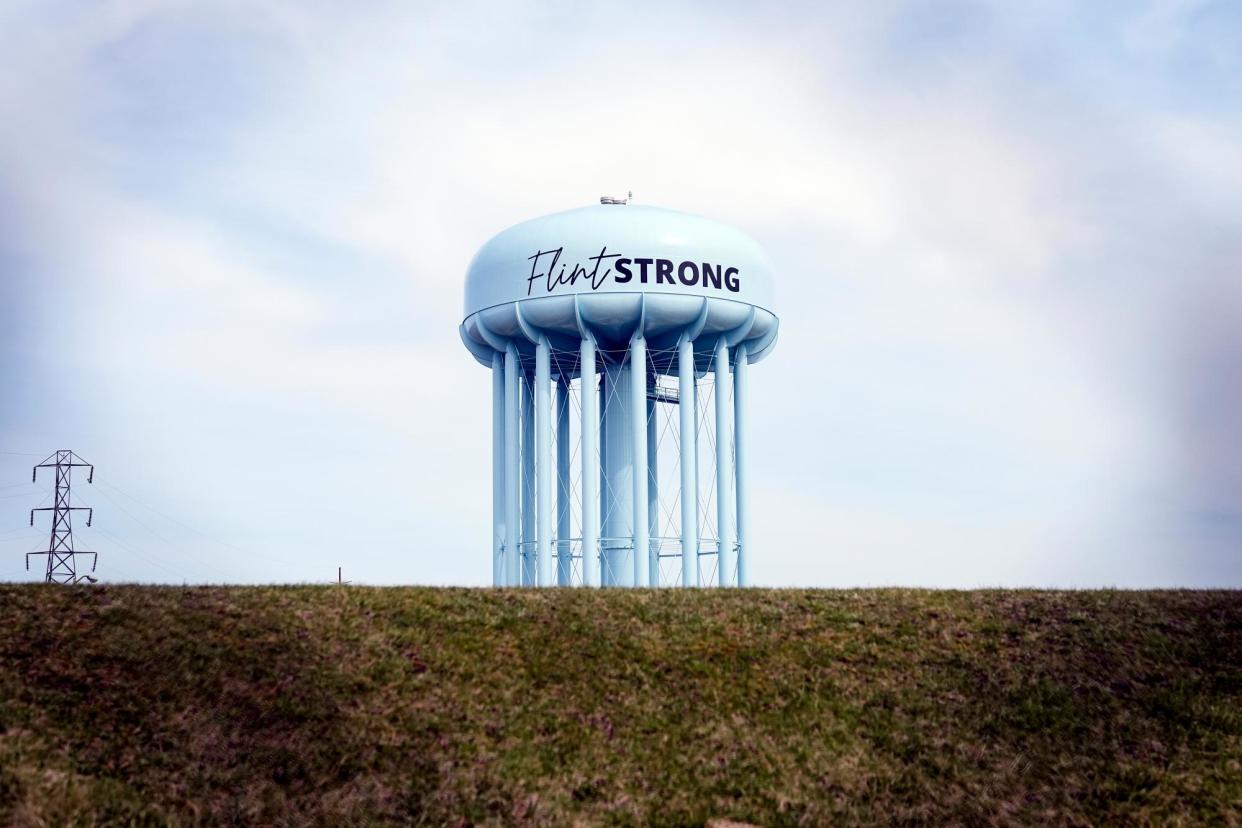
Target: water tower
[(619, 338)]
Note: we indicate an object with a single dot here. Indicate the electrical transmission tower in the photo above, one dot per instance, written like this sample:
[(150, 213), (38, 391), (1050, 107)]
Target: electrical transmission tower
[(61, 567)]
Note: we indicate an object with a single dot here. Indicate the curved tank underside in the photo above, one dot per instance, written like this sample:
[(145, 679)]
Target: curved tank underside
[(613, 320)]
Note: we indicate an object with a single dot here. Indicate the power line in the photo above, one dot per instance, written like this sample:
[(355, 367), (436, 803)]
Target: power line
[(152, 561), (165, 541), (170, 518), (212, 539), (15, 530)]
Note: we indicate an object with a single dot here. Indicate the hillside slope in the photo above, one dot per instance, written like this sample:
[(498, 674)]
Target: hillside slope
[(349, 705)]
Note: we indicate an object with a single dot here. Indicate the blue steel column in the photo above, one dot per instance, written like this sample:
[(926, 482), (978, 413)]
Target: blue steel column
[(700, 423), (498, 468), (653, 495), (638, 432), (543, 463), (528, 482), (689, 464), (512, 465), (618, 487), (739, 460), (590, 464), (725, 565), (607, 381), (564, 563)]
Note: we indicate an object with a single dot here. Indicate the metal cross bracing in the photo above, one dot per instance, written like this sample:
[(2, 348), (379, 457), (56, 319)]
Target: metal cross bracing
[(61, 556), (663, 469), (663, 555)]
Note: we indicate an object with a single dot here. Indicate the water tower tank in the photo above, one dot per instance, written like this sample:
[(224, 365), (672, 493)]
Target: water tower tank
[(619, 338)]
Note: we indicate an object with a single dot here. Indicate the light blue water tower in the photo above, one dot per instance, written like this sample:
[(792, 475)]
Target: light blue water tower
[(619, 338)]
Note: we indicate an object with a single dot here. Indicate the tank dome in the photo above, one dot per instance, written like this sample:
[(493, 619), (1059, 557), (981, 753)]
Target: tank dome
[(618, 249)]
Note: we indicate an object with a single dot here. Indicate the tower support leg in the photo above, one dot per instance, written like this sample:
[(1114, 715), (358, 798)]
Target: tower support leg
[(543, 464), (564, 561), (739, 459), (618, 487), (590, 464), (528, 482), (653, 495), (725, 564), (498, 469), (689, 464), (638, 432), (512, 469)]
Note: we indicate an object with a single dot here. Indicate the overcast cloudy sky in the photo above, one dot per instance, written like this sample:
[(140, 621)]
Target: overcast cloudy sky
[(1008, 240)]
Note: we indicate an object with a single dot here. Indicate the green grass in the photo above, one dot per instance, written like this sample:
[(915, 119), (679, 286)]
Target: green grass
[(328, 705)]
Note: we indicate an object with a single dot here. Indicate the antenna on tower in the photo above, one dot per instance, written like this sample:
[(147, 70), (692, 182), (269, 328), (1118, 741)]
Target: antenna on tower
[(61, 566)]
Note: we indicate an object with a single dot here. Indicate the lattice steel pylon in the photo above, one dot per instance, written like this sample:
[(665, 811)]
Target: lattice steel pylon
[(61, 563)]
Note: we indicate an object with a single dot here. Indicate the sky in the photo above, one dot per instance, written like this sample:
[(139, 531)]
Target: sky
[(1007, 241)]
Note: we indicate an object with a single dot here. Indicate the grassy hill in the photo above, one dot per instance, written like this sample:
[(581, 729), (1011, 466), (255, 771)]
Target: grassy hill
[(350, 705)]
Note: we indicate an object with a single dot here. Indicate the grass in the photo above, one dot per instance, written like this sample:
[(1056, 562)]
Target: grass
[(327, 705)]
